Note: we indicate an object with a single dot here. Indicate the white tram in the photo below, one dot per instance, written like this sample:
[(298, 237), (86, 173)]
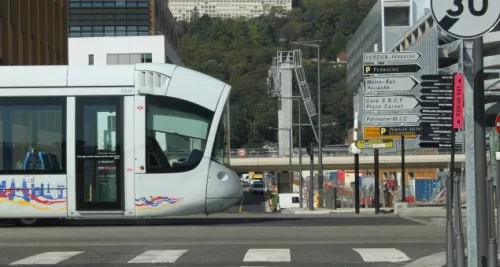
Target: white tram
[(119, 141)]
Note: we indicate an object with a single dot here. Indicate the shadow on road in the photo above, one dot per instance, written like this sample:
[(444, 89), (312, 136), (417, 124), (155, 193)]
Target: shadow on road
[(250, 202), (259, 221)]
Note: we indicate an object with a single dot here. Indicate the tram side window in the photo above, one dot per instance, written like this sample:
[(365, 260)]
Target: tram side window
[(33, 136), (220, 153), (176, 134)]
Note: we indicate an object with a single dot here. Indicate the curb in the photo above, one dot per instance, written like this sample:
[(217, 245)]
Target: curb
[(434, 260)]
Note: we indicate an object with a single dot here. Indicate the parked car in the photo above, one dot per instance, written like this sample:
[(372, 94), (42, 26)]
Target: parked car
[(258, 188)]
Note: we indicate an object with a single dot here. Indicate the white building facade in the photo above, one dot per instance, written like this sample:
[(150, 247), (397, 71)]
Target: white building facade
[(182, 9), (121, 50)]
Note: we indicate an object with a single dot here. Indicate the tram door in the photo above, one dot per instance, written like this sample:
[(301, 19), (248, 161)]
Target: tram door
[(99, 153)]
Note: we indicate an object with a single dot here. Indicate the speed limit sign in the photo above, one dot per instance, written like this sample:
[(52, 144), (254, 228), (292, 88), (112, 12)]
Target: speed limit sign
[(466, 19), (242, 152)]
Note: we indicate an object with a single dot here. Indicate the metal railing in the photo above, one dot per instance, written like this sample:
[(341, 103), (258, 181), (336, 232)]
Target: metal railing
[(275, 153)]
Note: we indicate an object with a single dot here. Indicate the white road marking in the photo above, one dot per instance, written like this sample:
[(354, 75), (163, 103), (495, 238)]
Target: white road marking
[(156, 256), (381, 254), (53, 257), (267, 255)]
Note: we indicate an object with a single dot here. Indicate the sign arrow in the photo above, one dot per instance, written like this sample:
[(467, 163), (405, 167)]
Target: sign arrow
[(431, 77), (390, 103), (386, 69), (433, 84), (436, 104), (436, 125), (434, 138), (436, 111), (434, 145), (436, 118), (391, 118), (431, 98), (389, 84), (372, 57), (431, 127), (440, 91), (439, 133)]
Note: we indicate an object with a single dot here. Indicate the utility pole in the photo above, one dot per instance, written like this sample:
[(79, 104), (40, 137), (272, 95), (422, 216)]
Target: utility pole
[(356, 152), (301, 183), (290, 160), (320, 137), (311, 180)]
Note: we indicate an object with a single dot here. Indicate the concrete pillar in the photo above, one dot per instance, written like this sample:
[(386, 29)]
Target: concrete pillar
[(285, 70)]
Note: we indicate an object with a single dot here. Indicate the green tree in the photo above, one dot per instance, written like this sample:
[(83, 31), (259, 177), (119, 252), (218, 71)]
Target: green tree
[(339, 44), (239, 52)]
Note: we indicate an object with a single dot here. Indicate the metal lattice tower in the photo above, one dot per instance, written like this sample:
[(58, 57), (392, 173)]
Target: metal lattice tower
[(294, 58)]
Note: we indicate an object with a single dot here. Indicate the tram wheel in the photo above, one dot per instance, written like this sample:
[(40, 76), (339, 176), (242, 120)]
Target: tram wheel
[(27, 222)]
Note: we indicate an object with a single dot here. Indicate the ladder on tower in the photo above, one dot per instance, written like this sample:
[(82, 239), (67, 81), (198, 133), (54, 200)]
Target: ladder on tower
[(305, 93)]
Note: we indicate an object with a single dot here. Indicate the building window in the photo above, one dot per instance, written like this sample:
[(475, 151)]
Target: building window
[(176, 134), (33, 135), (397, 16), (125, 59), (91, 59), (88, 31), (112, 59), (147, 58)]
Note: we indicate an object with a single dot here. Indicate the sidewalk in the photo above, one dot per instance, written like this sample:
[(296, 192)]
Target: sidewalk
[(319, 211), (432, 215), (434, 260)]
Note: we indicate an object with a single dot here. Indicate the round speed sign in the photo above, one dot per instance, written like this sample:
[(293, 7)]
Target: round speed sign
[(466, 19), (242, 152)]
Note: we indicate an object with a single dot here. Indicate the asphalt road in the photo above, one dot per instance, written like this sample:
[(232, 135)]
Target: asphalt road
[(249, 203), (225, 240)]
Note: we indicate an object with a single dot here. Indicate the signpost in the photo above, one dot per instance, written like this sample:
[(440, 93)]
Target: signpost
[(385, 84), (373, 57), (497, 123), (384, 108), (373, 144), (471, 20), (395, 118), (390, 103), (391, 69), (434, 123), (466, 19), (242, 152), (376, 132)]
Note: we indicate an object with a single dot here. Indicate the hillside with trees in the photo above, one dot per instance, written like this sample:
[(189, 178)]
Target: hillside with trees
[(240, 52)]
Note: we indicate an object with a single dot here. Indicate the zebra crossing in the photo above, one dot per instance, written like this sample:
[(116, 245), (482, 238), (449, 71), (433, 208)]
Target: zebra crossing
[(171, 257)]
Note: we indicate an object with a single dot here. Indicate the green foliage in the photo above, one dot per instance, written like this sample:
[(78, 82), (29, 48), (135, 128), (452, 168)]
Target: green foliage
[(239, 52)]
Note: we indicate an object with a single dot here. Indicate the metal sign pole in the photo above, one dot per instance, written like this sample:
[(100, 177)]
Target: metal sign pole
[(458, 88), (470, 184), (470, 22), (480, 151)]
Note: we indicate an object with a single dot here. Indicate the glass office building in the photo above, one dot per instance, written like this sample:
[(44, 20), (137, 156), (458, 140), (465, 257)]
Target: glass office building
[(93, 18)]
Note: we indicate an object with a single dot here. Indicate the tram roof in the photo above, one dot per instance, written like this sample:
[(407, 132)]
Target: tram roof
[(160, 79)]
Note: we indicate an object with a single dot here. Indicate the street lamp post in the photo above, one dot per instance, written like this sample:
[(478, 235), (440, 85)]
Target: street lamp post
[(289, 153), (301, 183)]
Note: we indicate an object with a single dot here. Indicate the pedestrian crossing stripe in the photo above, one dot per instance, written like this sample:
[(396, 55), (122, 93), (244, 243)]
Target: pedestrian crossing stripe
[(47, 258), (252, 255), (381, 255)]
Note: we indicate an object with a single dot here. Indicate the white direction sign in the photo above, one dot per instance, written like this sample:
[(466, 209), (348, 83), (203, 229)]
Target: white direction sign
[(373, 57), (389, 84), (391, 118), (389, 103), (466, 19)]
